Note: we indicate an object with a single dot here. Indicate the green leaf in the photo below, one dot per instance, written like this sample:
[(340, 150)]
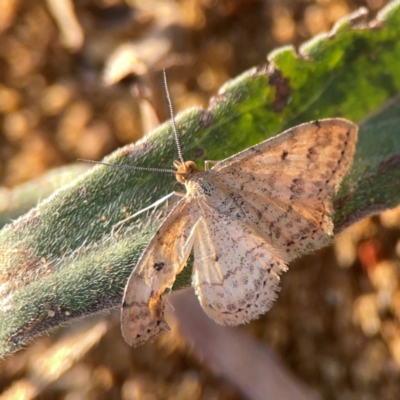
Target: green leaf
[(19, 200), (60, 261)]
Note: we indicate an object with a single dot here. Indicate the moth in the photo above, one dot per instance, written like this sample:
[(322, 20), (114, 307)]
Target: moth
[(245, 219)]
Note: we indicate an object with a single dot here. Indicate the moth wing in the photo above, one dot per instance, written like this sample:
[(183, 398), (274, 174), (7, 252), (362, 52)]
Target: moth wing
[(236, 272), (289, 181), (325, 147), (142, 315)]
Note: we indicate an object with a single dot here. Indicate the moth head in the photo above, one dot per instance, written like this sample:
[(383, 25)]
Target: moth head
[(184, 170)]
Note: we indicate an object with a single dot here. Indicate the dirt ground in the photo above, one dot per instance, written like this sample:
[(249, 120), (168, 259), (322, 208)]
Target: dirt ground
[(80, 79)]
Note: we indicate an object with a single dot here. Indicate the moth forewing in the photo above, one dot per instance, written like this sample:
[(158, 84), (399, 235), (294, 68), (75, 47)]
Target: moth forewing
[(142, 315)]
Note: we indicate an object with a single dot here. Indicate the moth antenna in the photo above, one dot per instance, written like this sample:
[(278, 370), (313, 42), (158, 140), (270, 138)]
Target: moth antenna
[(125, 166), (173, 122), (178, 144)]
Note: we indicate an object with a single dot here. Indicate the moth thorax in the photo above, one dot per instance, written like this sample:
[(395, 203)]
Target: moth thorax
[(184, 170)]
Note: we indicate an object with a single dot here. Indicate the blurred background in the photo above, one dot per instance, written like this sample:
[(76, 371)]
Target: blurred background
[(79, 79)]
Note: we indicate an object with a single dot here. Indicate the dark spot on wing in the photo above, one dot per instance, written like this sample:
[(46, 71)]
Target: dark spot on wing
[(159, 266), (311, 152)]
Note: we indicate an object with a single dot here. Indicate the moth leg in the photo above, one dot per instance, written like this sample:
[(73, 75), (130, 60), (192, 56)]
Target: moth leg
[(154, 205)]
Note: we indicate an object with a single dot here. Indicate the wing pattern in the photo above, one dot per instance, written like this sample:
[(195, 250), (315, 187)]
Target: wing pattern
[(289, 181), (165, 256), (236, 272), (246, 218)]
